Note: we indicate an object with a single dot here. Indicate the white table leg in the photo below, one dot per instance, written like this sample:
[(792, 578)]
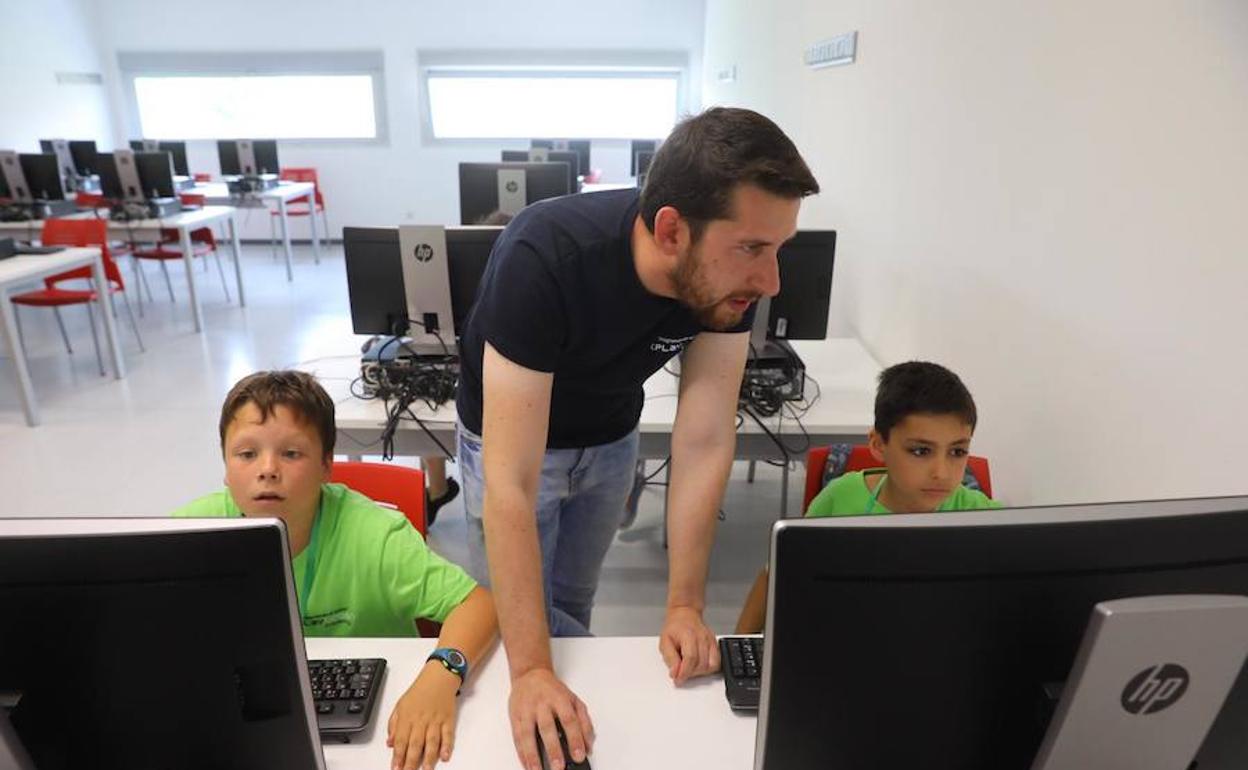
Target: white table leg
[(8, 325), (188, 258), (105, 300), (238, 258), (281, 207), (316, 241)]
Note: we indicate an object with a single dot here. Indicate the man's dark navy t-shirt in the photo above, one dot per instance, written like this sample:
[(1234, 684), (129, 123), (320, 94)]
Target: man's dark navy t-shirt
[(561, 294)]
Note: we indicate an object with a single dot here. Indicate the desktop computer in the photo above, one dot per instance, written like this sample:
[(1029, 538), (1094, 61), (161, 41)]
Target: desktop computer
[(36, 186), (248, 157), (84, 153), (641, 165), (507, 187), (148, 644), (635, 147), (176, 149), (138, 185), (579, 146), (542, 155), (1089, 636)]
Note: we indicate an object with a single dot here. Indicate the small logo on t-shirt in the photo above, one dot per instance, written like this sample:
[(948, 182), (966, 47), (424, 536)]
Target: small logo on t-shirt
[(339, 617), (670, 345), (424, 252)]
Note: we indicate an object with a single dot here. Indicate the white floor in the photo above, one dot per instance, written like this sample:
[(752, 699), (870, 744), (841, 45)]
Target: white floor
[(146, 444)]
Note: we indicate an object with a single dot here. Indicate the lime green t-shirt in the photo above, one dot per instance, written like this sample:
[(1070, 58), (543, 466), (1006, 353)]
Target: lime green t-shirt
[(374, 575), (849, 495)]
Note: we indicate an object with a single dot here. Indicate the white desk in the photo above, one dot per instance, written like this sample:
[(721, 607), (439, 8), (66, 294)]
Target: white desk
[(149, 230), (23, 269), (640, 718), (219, 193), (845, 371)]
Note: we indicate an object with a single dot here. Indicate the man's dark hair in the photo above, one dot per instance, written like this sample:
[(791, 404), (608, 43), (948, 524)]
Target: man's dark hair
[(706, 156), (919, 387), (297, 391)]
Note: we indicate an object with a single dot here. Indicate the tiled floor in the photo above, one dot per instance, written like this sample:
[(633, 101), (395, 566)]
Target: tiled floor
[(146, 444)]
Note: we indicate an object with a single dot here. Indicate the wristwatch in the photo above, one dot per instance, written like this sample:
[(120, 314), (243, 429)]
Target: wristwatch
[(453, 660)]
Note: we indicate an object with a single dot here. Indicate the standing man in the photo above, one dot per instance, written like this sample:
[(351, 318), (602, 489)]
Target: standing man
[(583, 299)]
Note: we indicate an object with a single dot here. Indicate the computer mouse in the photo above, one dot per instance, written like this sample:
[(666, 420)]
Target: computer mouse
[(563, 744)]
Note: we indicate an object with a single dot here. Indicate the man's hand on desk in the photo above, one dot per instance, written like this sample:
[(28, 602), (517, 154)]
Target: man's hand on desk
[(538, 698), (688, 646)]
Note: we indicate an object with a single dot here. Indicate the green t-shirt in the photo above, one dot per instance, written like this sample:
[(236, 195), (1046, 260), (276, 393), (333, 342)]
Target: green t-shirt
[(374, 575), (849, 495)]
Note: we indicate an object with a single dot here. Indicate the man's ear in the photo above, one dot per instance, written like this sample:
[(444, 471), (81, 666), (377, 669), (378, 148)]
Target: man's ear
[(671, 231), (875, 442)]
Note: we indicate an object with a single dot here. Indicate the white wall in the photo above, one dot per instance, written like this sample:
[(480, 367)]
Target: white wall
[(406, 179), (1047, 197), (41, 39)]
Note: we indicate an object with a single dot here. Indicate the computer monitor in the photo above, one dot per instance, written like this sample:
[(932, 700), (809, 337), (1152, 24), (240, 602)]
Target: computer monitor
[(85, 154), (800, 310), (176, 149), (939, 640), (43, 176), (120, 179), (579, 146), (641, 165), (380, 297), (152, 643), (247, 157), (637, 146), (507, 187), (542, 155), (12, 181), (64, 159), (156, 173)]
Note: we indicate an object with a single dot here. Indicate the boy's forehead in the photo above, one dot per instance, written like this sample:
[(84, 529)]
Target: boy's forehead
[(944, 428), (283, 419)]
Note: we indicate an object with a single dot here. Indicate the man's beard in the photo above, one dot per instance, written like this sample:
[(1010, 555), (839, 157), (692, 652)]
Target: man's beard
[(694, 292)]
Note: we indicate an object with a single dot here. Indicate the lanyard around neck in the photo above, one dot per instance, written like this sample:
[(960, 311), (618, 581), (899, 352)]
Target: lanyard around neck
[(309, 567), (875, 496)]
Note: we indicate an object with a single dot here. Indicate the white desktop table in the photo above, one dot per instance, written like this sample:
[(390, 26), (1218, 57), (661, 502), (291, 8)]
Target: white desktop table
[(282, 194), (641, 719), (149, 231), (23, 269), (846, 374)]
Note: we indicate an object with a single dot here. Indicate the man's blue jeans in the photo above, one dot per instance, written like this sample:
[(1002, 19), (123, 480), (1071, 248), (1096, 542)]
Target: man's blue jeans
[(580, 506)]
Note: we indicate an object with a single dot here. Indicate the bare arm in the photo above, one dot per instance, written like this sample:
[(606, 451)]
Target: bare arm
[(703, 444), (754, 613), (516, 415)]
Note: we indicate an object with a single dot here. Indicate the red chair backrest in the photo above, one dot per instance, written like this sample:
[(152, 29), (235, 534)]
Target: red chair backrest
[(861, 459), (191, 199), (80, 232), (86, 200), (307, 174), (202, 177), (390, 485)]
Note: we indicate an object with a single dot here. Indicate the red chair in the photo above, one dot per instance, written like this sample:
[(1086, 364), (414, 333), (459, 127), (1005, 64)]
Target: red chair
[(203, 243), (77, 232), (298, 207), (860, 459), (393, 486), (202, 177)]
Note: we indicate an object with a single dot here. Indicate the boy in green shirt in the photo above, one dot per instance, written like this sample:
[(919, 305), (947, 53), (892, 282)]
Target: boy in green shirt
[(924, 420), (359, 569)]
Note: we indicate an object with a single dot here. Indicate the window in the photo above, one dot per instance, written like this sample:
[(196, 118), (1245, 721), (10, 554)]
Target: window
[(330, 95), (275, 106)]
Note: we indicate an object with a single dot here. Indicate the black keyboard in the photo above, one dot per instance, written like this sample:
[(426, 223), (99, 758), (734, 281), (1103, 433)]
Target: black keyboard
[(345, 692), (741, 658)]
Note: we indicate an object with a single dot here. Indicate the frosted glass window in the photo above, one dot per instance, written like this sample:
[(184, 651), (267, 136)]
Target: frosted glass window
[(527, 105), (266, 106)]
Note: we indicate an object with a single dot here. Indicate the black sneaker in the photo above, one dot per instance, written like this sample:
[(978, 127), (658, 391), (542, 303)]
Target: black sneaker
[(431, 510)]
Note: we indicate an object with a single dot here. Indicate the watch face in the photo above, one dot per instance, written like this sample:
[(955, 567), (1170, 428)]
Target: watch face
[(456, 658)]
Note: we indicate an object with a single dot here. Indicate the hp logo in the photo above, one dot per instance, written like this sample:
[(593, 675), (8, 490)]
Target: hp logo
[(1154, 689), (512, 187), (424, 252)]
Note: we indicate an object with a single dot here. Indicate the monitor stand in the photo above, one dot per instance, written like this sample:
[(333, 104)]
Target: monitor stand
[(1147, 683), (13, 755)]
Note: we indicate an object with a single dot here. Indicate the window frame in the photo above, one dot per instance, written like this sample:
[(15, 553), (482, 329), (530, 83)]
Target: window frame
[(134, 65)]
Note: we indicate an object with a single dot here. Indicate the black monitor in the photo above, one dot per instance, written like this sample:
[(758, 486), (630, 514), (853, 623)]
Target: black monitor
[(110, 180), (480, 187), (235, 163), (43, 176), (800, 310), (641, 165), (552, 156), (375, 275), (156, 172), (85, 156), (157, 643), (176, 149), (579, 146), (637, 146), (939, 640)]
